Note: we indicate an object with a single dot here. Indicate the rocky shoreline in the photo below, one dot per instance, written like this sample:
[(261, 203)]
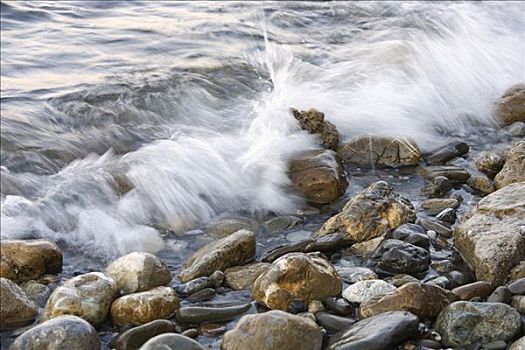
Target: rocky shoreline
[(383, 272)]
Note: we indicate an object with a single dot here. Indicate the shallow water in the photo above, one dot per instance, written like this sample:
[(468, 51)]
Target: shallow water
[(189, 101)]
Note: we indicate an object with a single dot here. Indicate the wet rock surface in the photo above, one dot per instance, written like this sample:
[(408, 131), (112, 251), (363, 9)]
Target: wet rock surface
[(362, 290), (16, 309), (134, 338), (171, 341), (393, 257), (243, 277), (314, 122), (514, 169), (510, 108)]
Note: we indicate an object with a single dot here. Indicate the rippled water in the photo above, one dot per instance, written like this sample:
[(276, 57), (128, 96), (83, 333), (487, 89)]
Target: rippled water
[(189, 102)]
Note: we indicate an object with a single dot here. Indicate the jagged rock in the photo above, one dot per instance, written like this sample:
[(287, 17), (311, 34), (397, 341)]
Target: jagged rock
[(232, 250), (296, 277), (371, 213), (313, 122), (16, 309), (24, 260), (243, 277), (490, 163), (514, 169), (491, 238), (319, 176), (510, 108), (373, 150)]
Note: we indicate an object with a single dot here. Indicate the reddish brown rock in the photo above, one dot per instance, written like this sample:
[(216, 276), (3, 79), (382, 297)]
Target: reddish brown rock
[(479, 289)]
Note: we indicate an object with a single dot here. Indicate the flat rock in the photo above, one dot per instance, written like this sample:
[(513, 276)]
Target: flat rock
[(273, 330), (394, 257), (296, 277), (243, 277), (361, 291), (446, 152), (510, 108), (135, 337), (314, 122), (380, 332), (463, 323), (371, 213), (171, 341), (138, 272), (88, 296), (16, 309), (232, 250), (373, 150), (423, 300), (454, 173), (434, 206), (61, 333), (479, 289), (140, 308), (318, 176), (24, 260), (514, 169), (491, 238)]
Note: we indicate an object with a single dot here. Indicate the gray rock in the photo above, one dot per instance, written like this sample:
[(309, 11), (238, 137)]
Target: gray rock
[(447, 215), (171, 341), (440, 227), (518, 344), (243, 277), (437, 187), (434, 206), (454, 173), (282, 223), (517, 287), (360, 291), (500, 295), (134, 338), (16, 309), (232, 250), (481, 184), (446, 152), (226, 226), (36, 292), (411, 233), (380, 332), (356, 274), (61, 333), (463, 323), (393, 257)]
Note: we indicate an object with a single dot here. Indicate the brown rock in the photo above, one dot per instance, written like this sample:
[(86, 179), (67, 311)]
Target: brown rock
[(373, 150), (313, 122), (479, 289), (423, 300), (16, 309), (319, 176), (489, 163), (273, 330), (436, 205), (518, 271), (481, 183), (232, 250), (371, 213), (144, 307), (296, 277), (243, 277), (514, 169), (511, 106), (24, 260)]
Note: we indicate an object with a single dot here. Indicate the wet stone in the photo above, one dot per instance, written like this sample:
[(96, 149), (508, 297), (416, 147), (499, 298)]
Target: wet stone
[(514, 169), (437, 187), (447, 215), (134, 338), (333, 323), (338, 306), (393, 257), (453, 173), (282, 223), (36, 292), (361, 291), (510, 108), (518, 344), (478, 289), (201, 295), (356, 274), (489, 163), (444, 153), (440, 227), (16, 309), (401, 279), (226, 226), (411, 233), (481, 184), (437, 205), (500, 295), (517, 287), (202, 314), (243, 277), (314, 122), (171, 341), (194, 286)]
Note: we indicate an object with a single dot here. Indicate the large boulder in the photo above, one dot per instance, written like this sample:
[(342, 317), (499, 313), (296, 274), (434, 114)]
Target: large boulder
[(232, 250), (61, 333), (24, 260), (491, 238), (134, 338), (273, 330), (463, 323), (243, 277), (319, 176), (140, 308), (171, 341), (380, 332), (514, 169), (510, 108), (373, 150), (371, 213), (88, 296), (16, 309), (138, 272), (313, 121), (423, 300), (296, 277)]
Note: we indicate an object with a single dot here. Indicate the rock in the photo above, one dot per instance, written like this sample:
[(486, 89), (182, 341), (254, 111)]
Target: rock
[(242, 277), (61, 333), (273, 330), (194, 286), (516, 129), (339, 306), (333, 323), (500, 295), (514, 169), (140, 308), (401, 279), (319, 176), (437, 187), (16, 309), (423, 300), (217, 278), (373, 150), (36, 292), (134, 338), (463, 323), (313, 121), (361, 291), (229, 251), (489, 163), (436, 205), (380, 332), (454, 173), (411, 233), (393, 257), (518, 271), (518, 302), (226, 226), (491, 238), (482, 184), (440, 227), (171, 341), (356, 274), (202, 314), (366, 248), (88, 296), (479, 289), (510, 108), (517, 287), (24, 260), (495, 345), (518, 344), (138, 272), (447, 215), (296, 277), (446, 152), (371, 213), (282, 223)]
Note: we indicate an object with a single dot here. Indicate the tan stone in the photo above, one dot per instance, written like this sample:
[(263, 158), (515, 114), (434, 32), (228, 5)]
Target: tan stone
[(313, 121), (243, 277), (16, 309), (514, 169), (480, 289), (511, 106)]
